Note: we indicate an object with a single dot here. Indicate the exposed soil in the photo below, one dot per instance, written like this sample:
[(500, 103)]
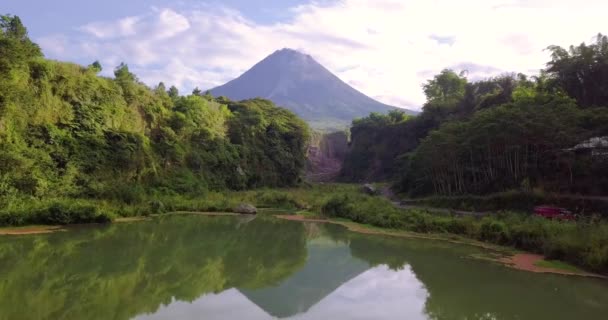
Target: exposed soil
[(528, 262), (130, 219), (30, 230), (325, 157)]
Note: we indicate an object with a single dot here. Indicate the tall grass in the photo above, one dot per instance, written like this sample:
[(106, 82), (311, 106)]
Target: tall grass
[(516, 201)]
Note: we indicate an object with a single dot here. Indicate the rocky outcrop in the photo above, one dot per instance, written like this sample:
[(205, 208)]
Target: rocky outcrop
[(245, 208), (370, 189), (326, 154)]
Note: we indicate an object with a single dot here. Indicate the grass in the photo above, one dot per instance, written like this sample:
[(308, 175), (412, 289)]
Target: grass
[(559, 265)]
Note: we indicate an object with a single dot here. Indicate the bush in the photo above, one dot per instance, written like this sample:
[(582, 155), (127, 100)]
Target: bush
[(494, 231), (59, 213), (157, 206), (279, 199)]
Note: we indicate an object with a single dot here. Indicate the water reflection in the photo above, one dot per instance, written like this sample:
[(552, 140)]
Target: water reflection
[(378, 293), (189, 267)]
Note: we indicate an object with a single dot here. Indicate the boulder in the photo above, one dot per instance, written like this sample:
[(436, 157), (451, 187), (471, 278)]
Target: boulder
[(370, 189), (245, 208)]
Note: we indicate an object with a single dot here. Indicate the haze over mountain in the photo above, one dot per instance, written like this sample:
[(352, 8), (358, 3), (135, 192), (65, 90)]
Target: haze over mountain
[(299, 83)]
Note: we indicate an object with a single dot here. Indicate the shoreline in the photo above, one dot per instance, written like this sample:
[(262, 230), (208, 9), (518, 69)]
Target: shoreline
[(31, 230), (46, 229), (517, 260)]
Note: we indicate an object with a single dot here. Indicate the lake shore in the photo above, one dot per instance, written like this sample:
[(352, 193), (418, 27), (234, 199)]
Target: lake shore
[(29, 230), (513, 259), (45, 229)]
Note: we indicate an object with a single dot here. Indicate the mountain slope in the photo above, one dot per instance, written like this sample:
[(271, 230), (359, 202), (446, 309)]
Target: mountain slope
[(299, 83)]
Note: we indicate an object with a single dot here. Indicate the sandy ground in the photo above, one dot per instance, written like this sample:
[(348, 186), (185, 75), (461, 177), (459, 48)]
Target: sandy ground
[(528, 261), (30, 230)]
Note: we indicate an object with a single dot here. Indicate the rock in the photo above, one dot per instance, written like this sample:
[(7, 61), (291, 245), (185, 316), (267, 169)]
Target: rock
[(370, 189), (245, 208)]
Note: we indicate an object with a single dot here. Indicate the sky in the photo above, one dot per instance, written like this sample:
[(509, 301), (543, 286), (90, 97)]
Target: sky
[(385, 48)]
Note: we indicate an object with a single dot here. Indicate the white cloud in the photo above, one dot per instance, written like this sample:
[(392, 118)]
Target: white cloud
[(107, 30), (385, 48)]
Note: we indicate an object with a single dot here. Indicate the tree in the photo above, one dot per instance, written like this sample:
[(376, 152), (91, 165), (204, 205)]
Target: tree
[(12, 27), (96, 66), (122, 74), (173, 92), (15, 46), (445, 86), (582, 71)]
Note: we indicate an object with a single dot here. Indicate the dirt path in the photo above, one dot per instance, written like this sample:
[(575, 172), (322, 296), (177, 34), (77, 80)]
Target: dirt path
[(520, 261)]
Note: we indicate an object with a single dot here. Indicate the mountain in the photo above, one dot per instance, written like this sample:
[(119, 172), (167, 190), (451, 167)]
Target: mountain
[(329, 266), (299, 83)]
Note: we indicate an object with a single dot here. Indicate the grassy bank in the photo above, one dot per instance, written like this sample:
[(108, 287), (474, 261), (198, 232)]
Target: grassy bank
[(62, 211), (584, 243)]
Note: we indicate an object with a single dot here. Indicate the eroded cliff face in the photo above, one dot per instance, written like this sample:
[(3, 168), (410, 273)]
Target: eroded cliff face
[(326, 154)]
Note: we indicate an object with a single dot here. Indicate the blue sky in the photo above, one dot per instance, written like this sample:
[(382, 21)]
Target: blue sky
[(47, 16), (385, 48)]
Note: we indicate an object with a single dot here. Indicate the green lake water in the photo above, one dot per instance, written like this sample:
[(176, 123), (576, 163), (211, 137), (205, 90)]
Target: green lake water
[(194, 267)]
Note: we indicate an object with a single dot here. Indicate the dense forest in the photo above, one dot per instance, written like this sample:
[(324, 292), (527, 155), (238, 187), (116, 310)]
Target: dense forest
[(543, 133), (68, 133)]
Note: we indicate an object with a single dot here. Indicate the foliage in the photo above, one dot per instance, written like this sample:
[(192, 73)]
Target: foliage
[(582, 71), (374, 147), (510, 132), (445, 86), (66, 133)]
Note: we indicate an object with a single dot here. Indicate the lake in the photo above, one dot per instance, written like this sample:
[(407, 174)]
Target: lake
[(196, 267)]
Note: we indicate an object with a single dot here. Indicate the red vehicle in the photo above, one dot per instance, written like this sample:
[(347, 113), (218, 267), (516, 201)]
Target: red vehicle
[(551, 212)]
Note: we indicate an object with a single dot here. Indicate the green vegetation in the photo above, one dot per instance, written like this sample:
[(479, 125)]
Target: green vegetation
[(509, 133), (583, 243), (76, 147), (514, 200), (559, 265)]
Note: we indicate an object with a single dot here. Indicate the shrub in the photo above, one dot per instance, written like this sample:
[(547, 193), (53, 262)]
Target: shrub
[(59, 213), (494, 231)]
